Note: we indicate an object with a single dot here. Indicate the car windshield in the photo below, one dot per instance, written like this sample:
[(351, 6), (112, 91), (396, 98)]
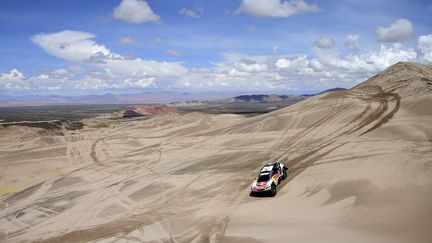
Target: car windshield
[(263, 178)]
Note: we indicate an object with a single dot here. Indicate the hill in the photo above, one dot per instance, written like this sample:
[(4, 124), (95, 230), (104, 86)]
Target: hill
[(360, 171)]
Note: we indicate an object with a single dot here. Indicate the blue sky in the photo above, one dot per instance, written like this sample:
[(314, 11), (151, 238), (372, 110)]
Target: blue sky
[(93, 46)]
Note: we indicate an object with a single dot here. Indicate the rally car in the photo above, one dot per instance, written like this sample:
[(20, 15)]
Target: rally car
[(269, 178)]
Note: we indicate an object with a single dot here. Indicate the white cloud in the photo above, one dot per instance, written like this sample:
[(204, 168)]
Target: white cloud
[(276, 8), (128, 41), (75, 78), (243, 64), (193, 13), (352, 42), (139, 83), (250, 66), (424, 47), (78, 78), (146, 67), (324, 42), (135, 11), (13, 81), (14, 74), (366, 63), (80, 47), (283, 63), (43, 76), (74, 46), (322, 70), (399, 31), (172, 52)]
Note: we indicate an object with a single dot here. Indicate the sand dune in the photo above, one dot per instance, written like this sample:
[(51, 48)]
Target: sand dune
[(360, 159)]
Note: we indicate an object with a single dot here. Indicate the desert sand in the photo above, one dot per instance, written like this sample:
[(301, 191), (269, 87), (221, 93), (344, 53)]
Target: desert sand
[(360, 171)]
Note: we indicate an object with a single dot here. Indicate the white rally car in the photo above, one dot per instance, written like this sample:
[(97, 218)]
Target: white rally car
[(269, 178)]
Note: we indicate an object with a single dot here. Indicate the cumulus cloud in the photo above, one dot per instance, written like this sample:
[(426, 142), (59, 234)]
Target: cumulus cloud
[(80, 47), (135, 11), (352, 42), (77, 78), (366, 63), (283, 63), (128, 41), (324, 42), (399, 31), (193, 13), (424, 47), (70, 45), (14, 74), (13, 81), (250, 66), (325, 68), (276, 8)]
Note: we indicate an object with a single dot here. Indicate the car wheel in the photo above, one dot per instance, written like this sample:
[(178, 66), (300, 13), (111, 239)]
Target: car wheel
[(273, 190)]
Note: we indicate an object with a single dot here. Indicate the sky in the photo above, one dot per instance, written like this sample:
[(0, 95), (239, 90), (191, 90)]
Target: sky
[(257, 46)]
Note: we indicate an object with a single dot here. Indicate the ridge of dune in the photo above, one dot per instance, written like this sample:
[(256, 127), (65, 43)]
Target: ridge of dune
[(372, 179), (403, 78), (360, 159)]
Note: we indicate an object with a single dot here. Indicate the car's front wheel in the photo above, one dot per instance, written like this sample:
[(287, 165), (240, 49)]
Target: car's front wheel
[(273, 190), (284, 175)]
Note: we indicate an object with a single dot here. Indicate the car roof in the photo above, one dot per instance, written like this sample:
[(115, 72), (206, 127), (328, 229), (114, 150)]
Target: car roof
[(266, 168)]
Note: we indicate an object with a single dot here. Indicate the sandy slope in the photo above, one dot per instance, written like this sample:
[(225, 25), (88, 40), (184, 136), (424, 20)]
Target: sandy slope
[(361, 164)]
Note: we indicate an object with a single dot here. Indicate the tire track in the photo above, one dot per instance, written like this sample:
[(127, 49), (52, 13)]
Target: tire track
[(308, 145)]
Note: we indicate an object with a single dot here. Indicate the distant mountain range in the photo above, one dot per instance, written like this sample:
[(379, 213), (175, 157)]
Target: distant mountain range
[(262, 98), (109, 98), (156, 97)]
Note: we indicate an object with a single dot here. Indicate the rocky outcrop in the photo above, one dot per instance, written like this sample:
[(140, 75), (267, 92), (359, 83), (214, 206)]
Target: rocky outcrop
[(154, 109), (141, 110)]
